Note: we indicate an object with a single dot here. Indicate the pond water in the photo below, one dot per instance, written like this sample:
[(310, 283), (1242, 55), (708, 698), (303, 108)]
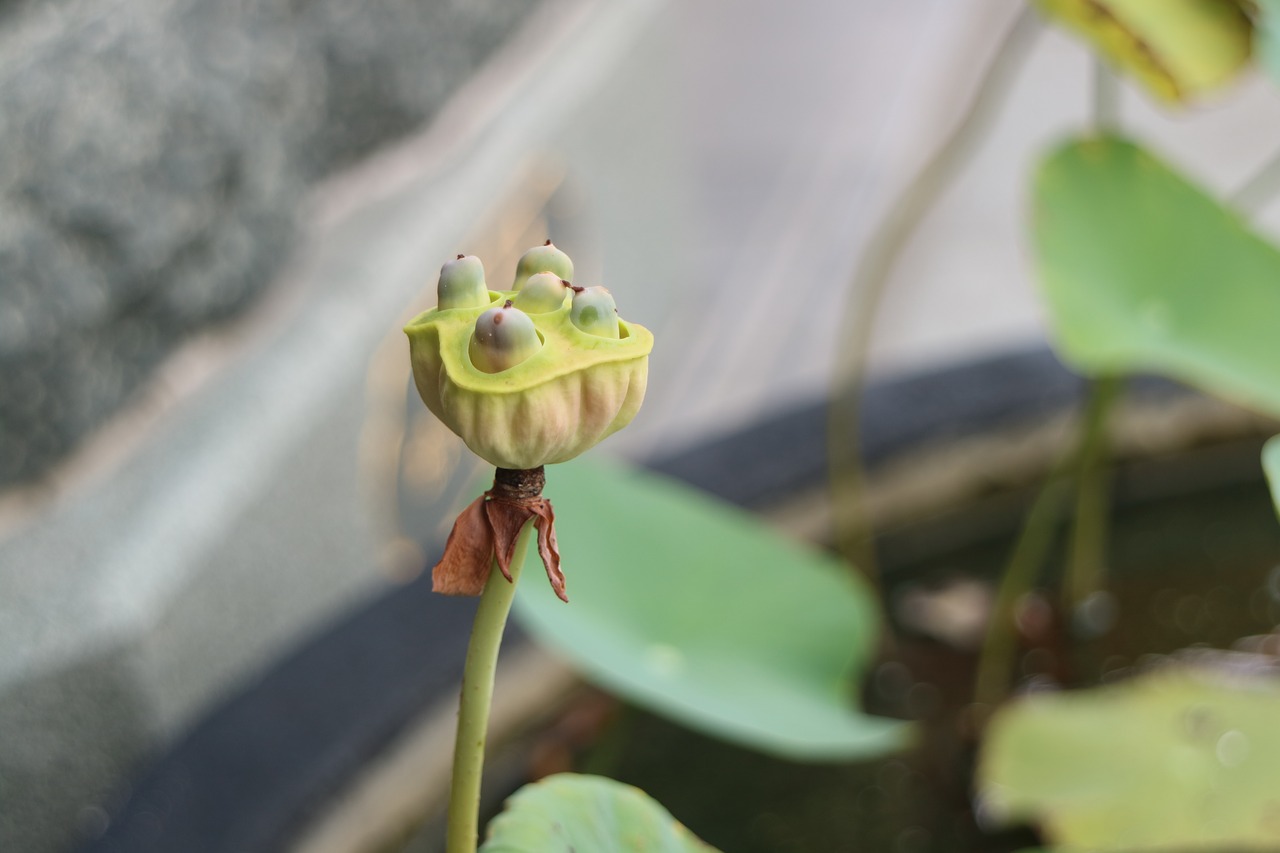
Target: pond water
[(1186, 570)]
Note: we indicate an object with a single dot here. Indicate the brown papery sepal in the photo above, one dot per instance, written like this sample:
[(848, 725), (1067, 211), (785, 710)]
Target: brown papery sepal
[(486, 532)]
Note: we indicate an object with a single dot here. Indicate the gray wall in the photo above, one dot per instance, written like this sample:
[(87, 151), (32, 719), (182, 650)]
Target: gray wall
[(154, 155)]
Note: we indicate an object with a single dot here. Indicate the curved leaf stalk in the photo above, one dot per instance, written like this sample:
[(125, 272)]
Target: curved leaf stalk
[(477, 696), (870, 281)]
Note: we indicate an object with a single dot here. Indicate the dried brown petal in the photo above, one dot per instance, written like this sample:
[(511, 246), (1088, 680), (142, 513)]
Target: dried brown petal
[(506, 520), (549, 549), (488, 530), (464, 568)]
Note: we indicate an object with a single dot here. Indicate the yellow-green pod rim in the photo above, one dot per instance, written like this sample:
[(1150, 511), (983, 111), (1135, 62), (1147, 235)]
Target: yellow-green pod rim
[(576, 390), (1178, 49)]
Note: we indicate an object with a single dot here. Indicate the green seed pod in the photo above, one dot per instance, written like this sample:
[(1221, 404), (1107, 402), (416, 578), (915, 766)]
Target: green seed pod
[(594, 312), (1178, 49), (462, 284), (572, 391), (544, 258), (503, 337), (543, 292)]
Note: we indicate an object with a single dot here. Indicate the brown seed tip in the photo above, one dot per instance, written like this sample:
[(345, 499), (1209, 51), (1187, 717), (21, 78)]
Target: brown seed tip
[(565, 283), (576, 288), (506, 304), (548, 243), (460, 257)]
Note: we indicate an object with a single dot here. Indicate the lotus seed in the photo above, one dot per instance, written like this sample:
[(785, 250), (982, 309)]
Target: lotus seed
[(595, 313), (542, 293), (503, 337), (462, 284), (544, 258)]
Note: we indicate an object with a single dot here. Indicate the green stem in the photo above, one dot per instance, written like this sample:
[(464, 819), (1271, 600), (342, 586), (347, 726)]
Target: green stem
[(1104, 104), (870, 282), (1032, 548), (477, 696), (1029, 553), (1084, 569), (1258, 189), (1086, 553)]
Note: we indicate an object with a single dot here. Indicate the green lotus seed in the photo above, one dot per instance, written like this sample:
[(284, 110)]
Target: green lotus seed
[(544, 258), (462, 284), (594, 312), (503, 338), (542, 293)]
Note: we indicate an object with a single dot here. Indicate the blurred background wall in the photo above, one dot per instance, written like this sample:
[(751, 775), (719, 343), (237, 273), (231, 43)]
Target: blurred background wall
[(156, 158), (155, 155)]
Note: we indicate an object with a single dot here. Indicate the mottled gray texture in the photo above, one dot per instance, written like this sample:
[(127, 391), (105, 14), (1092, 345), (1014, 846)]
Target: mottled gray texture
[(155, 152), (71, 734)]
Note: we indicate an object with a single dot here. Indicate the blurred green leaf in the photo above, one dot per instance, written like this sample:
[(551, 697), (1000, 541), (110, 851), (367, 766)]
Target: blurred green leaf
[(569, 812), (1143, 271), (1271, 464), (701, 613), (1183, 758)]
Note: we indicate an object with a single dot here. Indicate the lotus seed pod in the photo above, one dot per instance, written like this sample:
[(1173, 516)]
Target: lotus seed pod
[(503, 337), (1178, 49), (542, 293), (544, 258), (462, 284), (594, 312), (557, 391)]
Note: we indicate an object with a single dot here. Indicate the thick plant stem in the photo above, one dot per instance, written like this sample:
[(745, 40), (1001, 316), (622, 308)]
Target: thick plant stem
[(1104, 106), (463, 832), (1260, 187), (870, 281), (1086, 555), (1029, 553)]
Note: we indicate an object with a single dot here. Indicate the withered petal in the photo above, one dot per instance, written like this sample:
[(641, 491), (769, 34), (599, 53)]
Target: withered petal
[(468, 553), (547, 547), (506, 520)]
